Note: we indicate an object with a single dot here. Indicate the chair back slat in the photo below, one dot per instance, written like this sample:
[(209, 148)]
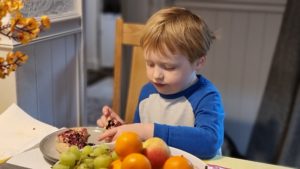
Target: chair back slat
[(128, 34), (137, 79), (132, 34)]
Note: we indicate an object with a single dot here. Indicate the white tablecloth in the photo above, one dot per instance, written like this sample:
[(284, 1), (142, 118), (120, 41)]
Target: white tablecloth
[(20, 132), (31, 159), (20, 137)]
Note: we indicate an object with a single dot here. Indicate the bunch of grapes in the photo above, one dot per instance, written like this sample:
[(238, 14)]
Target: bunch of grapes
[(100, 156)]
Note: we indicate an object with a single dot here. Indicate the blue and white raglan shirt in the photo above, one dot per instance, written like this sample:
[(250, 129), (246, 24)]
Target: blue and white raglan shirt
[(191, 120)]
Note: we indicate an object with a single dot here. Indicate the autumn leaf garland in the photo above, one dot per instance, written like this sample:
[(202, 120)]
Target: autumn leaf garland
[(19, 28)]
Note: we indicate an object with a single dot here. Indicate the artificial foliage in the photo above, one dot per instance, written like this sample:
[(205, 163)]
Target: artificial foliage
[(20, 29)]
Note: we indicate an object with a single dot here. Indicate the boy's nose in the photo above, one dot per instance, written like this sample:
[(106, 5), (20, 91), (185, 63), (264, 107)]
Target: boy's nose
[(158, 74)]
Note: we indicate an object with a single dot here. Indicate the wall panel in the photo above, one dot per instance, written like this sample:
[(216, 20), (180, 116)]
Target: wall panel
[(240, 58), (50, 79), (27, 76), (49, 85), (44, 89)]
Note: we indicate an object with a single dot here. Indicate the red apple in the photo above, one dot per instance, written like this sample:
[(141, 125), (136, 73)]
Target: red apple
[(157, 151)]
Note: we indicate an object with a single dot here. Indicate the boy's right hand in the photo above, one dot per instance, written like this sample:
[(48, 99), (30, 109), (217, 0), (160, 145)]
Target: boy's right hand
[(109, 115)]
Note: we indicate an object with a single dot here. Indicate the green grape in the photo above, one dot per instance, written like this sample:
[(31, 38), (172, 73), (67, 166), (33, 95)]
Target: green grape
[(101, 149), (74, 149), (105, 148), (89, 162), (60, 166), (86, 150), (98, 157), (67, 158), (83, 166), (102, 161), (114, 155)]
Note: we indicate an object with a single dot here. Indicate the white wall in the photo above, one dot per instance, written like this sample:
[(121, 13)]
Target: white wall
[(107, 36), (92, 24), (8, 93)]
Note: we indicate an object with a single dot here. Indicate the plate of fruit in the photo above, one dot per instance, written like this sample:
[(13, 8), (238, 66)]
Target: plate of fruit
[(60, 141), (128, 152)]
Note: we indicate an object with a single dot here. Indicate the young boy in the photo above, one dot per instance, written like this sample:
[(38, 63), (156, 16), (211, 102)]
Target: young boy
[(177, 105)]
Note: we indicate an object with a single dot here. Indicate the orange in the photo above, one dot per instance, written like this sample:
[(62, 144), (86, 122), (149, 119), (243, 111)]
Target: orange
[(128, 142), (177, 162), (116, 164), (136, 161)]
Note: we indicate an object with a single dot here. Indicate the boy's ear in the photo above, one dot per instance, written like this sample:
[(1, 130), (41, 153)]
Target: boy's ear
[(200, 62)]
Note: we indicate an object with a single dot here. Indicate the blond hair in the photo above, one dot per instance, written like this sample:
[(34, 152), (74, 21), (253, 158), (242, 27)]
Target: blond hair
[(179, 31)]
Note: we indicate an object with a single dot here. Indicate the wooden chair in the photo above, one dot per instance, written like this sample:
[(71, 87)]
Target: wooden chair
[(128, 34)]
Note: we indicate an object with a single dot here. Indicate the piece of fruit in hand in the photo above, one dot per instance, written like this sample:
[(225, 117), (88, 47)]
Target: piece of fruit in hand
[(112, 123)]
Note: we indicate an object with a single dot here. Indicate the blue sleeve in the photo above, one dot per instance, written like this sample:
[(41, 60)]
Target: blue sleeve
[(206, 137), (136, 118)]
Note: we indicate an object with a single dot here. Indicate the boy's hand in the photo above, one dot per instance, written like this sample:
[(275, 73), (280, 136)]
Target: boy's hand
[(108, 115), (145, 131)]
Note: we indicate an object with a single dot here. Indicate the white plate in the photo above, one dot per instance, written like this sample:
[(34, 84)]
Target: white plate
[(197, 163), (47, 145)]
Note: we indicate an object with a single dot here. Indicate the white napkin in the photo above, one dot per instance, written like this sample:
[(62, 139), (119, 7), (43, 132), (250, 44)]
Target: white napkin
[(19, 132)]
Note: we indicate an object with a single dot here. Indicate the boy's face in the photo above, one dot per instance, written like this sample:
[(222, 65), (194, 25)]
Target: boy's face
[(169, 74)]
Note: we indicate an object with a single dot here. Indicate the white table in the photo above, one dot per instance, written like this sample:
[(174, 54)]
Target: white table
[(34, 159), (234, 163)]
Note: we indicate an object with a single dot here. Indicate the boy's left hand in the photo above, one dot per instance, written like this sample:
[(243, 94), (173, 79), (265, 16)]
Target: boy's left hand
[(145, 131)]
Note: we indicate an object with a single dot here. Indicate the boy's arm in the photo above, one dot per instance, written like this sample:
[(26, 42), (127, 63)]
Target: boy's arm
[(206, 137)]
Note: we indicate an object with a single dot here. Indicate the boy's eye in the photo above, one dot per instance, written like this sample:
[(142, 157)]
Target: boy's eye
[(150, 64), (169, 67)]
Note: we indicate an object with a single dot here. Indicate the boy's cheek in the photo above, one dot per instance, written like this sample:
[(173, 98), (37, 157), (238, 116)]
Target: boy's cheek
[(149, 73)]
